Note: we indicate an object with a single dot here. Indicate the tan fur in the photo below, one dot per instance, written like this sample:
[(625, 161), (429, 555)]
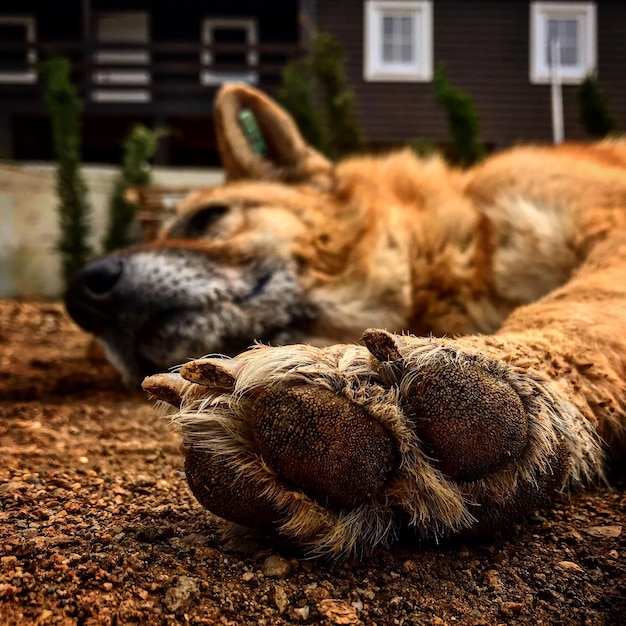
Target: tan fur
[(428, 248), (520, 262)]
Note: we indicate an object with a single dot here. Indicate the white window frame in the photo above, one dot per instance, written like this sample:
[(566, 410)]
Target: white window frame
[(211, 77), (110, 78), (585, 14), (27, 76), (375, 69)]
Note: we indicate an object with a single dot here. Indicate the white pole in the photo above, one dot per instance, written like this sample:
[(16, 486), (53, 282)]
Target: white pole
[(556, 92)]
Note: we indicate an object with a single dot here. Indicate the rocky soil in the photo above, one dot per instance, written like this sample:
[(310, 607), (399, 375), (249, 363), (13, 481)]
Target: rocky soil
[(97, 525)]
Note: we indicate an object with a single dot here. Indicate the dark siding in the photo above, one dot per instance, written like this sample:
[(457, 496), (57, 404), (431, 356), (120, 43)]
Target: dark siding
[(280, 24), (612, 55), (485, 48), (52, 22)]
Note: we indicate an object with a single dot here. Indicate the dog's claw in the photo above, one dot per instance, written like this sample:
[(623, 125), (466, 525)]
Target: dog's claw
[(166, 387), (218, 373), (382, 344)]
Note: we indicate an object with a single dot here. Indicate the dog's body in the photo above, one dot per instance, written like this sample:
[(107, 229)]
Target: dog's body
[(523, 258)]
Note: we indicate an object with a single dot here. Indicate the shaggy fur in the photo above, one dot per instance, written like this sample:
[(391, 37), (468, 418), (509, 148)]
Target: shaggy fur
[(499, 379)]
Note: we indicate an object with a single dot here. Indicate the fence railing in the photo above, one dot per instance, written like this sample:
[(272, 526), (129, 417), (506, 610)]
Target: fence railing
[(151, 70)]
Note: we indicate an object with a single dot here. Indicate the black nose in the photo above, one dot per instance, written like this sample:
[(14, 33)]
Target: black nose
[(90, 294)]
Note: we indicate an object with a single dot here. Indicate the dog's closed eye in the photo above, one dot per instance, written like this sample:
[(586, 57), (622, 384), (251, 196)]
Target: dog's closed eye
[(200, 222)]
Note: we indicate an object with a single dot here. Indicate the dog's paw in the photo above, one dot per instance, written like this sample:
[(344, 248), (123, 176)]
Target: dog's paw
[(336, 448)]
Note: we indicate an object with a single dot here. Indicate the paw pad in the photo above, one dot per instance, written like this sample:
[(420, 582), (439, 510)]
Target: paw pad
[(230, 494), (327, 446), (473, 422)]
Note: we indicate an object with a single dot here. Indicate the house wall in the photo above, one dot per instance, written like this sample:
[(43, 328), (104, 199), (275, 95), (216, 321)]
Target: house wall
[(278, 25), (485, 47), (53, 22)]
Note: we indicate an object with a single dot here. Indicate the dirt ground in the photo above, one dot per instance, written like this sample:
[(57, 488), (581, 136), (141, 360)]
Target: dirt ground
[(97, 525)]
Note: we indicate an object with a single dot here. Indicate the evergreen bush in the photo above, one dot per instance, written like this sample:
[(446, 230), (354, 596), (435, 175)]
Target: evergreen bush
[(422, 147), (139, 147), (329, 67), (593, 109), (295, 95), (322, 72), (65, 108), (463, 121)]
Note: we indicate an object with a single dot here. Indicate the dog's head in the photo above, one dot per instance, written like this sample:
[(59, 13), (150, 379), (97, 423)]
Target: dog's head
[(287, 250)]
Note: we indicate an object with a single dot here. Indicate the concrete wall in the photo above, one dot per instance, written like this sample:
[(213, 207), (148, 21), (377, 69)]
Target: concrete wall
[(29, 262)]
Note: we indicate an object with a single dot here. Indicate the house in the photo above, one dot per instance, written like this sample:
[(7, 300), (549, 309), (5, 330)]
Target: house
[(161, 63), (158, 63), (497, 50)]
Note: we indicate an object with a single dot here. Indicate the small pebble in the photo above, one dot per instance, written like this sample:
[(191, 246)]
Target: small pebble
[(608, 532), (569, 566), (368, 594), (338, 612), (280, 599), (302, 612), (276, 566), (492, 580), (181, 593), (510, 608)]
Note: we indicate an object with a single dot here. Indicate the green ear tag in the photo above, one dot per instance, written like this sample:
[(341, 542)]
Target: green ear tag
[(252, 132)]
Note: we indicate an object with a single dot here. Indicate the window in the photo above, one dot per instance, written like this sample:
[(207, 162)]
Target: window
[(563, 39), (398, 41), (18, 30), (122, 28), (237, 33)]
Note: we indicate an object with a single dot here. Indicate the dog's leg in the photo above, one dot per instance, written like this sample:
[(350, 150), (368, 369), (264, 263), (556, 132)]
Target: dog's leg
[(337, 448)]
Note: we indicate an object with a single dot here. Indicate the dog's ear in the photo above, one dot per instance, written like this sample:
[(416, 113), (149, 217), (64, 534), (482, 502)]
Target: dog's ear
[(257, 139)]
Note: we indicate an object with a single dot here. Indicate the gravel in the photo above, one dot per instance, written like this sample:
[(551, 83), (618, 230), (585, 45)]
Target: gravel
[(97, 525)]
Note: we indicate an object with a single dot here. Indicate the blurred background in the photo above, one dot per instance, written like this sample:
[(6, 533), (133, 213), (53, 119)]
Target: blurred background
[(106, 98)]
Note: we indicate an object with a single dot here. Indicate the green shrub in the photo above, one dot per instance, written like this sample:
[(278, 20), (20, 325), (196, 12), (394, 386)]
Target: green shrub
[(593, 110), (295, 95), (329, 67), (322, 72), (462, 118), (65, 108), (422, 147), (138, 149)]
